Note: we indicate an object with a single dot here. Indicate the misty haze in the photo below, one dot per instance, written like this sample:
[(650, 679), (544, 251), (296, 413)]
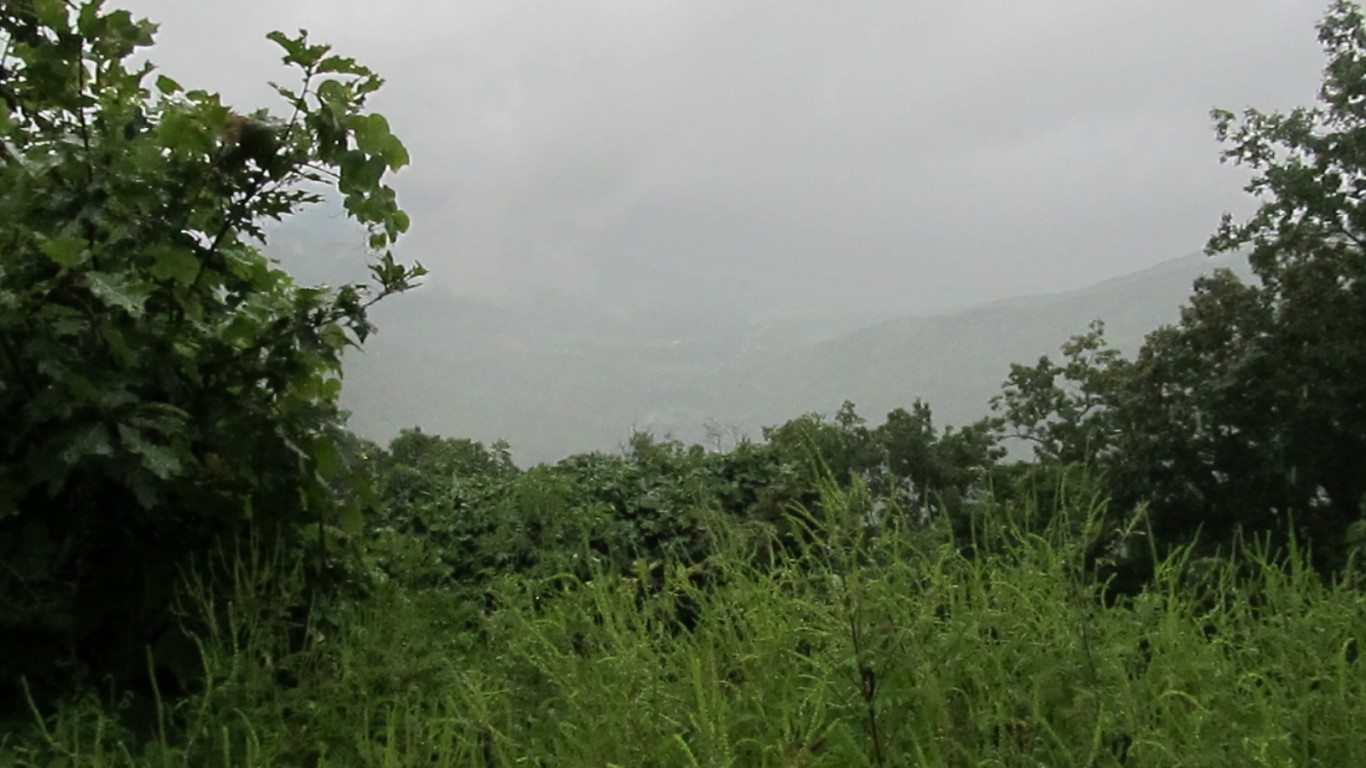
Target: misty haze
[(671, 216)]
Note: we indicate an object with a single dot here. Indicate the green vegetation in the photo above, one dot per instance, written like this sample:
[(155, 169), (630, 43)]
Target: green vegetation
[(164, 387), (199, 566), (894, 648)]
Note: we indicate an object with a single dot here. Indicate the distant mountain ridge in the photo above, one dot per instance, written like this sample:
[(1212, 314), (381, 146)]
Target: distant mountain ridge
[(556, 376), (957, 362)]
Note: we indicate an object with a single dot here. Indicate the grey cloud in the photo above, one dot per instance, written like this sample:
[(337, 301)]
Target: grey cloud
[(904, 155)]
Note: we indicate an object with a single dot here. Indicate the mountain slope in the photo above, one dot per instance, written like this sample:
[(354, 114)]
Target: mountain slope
[(957, 362), (556, 376)]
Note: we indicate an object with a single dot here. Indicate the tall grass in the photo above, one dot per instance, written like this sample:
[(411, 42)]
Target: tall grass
[(858, 648)]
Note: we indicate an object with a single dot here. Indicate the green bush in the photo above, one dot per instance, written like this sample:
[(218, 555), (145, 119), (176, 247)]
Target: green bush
[(164, 387)]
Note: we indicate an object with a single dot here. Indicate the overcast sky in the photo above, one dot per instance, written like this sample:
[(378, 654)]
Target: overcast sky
[(903, 154)]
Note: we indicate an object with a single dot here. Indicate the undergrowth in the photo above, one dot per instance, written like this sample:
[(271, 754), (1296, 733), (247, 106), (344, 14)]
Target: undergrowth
[(857, 647)]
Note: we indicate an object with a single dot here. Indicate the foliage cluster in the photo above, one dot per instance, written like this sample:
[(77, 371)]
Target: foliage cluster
[(456, 512), (163, 385)]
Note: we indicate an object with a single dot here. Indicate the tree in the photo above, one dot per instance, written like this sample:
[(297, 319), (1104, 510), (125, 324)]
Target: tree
[(905, 459), (1250, 413), (1063, 410), (163, 385), (1266, 383)]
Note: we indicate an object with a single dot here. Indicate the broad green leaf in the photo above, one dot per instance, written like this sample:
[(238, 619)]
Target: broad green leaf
[(66, 250), (372, 133), (118, 291), (89, 22), (297, 49), (361, 172), (64, 321), (118, 345), (341, 64), (179, 264), (394, 153), (157, 459), (166, 85), (162, 417), (89, 440), (334, 336), (190, 304), (49, 13)]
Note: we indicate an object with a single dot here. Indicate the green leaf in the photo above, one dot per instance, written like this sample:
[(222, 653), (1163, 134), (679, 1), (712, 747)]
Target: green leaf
[(394, 153), (49, 13), (372, 132), (64, 321), (118, 345), (190, 304), (360, 172), (297, 49), (373, 137), (117, 291), (341, 64), (166, 85), (160, 460), (90, 440), (178, 264), (66, 250), (335, 337)]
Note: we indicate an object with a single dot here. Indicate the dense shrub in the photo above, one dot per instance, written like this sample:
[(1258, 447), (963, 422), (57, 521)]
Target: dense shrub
[(164, 387)]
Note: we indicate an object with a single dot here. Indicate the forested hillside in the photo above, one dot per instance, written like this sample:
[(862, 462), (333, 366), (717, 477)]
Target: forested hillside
[(202, 565)]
